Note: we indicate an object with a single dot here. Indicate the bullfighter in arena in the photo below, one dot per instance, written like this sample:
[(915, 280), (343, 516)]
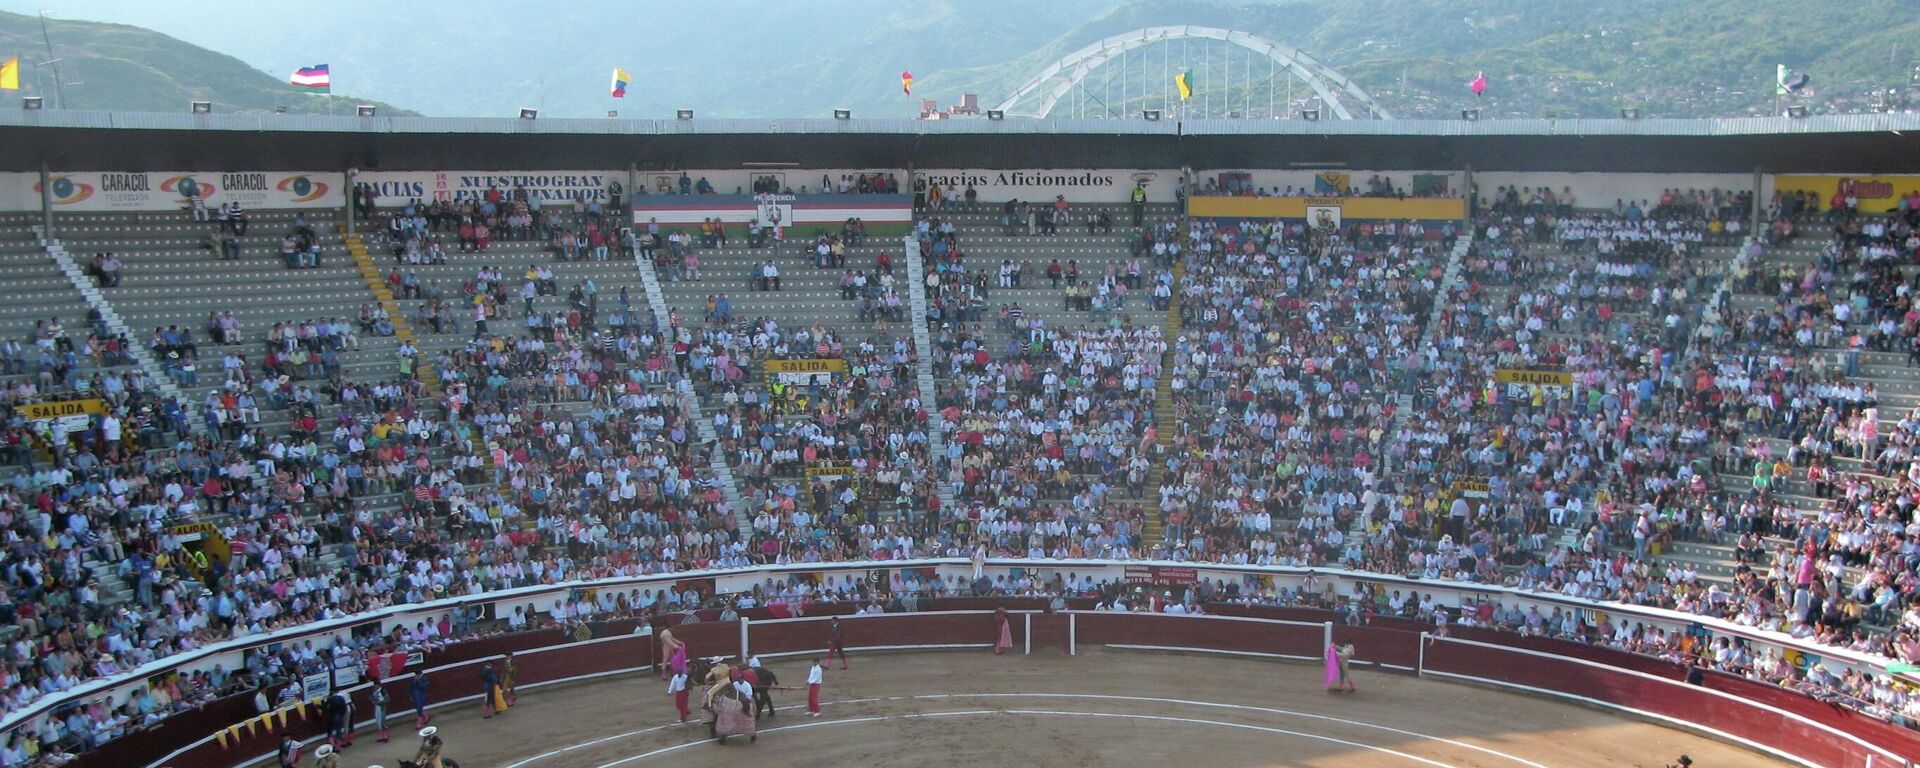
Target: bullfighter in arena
[(430, 746), (673, 653), (506, 679), (379, 698), (1339, 677), (417, 690), (677, 685), (836, 642), (339, 710)]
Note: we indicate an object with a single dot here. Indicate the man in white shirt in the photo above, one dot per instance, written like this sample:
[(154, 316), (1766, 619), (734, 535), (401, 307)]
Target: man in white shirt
[(678, 687), (815, 676)]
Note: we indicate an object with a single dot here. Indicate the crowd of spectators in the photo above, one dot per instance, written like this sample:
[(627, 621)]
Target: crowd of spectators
[(1376, 185), (53, 361), (569, 448), (1293, 343), (823, 456)]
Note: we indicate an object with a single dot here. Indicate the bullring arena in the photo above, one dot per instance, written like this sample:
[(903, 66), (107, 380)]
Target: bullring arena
[(1575, 443)]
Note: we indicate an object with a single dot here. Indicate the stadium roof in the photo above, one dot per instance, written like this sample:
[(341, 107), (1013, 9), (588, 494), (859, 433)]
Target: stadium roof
[(78, 140)]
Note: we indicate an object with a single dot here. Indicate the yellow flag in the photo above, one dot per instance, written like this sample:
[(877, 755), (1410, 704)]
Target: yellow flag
[(1184, 81), (10, 74)]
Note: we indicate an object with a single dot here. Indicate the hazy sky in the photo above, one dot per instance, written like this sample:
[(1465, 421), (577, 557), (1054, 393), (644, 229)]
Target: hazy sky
[(485, 57)]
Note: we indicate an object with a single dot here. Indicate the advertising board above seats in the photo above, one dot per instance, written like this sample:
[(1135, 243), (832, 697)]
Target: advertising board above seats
[(101, 191), (1330, 211), (881, 214), (1875, 194), (1327, 198), (1602, 191), (397, 188)]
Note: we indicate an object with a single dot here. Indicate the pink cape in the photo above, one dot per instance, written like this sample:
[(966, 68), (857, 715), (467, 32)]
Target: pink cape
[(678, 661), (1006, 635), (1333, 665)]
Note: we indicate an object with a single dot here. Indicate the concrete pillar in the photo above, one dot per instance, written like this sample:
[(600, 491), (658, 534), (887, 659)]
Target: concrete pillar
[(1759, 203), (353, 175), (46, 202), (633, 180), (1467, 193)]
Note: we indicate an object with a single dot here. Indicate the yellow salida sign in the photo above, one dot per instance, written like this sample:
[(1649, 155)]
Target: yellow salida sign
[(1529, 376), (59, 409), (814, 365)]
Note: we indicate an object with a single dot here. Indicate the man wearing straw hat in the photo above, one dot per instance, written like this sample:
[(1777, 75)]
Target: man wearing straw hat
[(429, 754), (325, 757)]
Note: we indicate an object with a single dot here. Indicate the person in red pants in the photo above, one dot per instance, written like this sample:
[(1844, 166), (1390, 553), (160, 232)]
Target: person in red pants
[(678, 687), (815, 676)]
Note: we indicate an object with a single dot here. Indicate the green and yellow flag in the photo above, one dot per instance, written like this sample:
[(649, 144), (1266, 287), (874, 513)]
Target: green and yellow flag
[(1184, 81)]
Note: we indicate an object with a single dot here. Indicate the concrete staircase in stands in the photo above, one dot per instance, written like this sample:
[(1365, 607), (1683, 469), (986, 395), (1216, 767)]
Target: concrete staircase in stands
[(703, 427), (116, 325), (923, 379)]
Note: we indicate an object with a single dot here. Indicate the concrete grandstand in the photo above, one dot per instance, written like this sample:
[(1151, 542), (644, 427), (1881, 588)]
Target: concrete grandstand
[(297, 395)]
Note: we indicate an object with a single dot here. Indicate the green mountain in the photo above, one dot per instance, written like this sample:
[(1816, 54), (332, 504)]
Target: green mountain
[(1588, 58), (118, 67)]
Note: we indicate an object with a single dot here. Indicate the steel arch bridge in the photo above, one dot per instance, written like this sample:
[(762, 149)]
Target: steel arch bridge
[(1341, 96)]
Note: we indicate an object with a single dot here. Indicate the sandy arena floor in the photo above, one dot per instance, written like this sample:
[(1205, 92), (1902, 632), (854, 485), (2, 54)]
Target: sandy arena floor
[(1113, 708)]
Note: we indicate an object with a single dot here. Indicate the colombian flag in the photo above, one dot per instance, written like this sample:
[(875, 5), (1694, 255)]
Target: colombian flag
[(1184, 81), (906, 82), (10, 74), (620, 80), (316, 79)]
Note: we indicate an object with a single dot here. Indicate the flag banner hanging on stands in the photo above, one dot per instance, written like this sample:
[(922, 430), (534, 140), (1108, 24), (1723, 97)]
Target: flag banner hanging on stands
[(1184, 81), (10, 74), (620, 80), (315, 78), (906, 82), (1479, 84)]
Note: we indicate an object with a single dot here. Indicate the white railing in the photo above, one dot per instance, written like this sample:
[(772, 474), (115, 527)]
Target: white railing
[(230, 654)]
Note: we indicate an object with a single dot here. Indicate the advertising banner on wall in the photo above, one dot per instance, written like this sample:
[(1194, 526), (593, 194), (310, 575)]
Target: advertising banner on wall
[(396, 188), (1041, 186), (1876, 194), (882, 214), (1602, 191), (96, 191), (785, 181), (1274, 182), (1329, 211)]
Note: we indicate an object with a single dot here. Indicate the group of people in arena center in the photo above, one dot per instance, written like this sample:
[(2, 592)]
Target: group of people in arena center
[(1327, 398)]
